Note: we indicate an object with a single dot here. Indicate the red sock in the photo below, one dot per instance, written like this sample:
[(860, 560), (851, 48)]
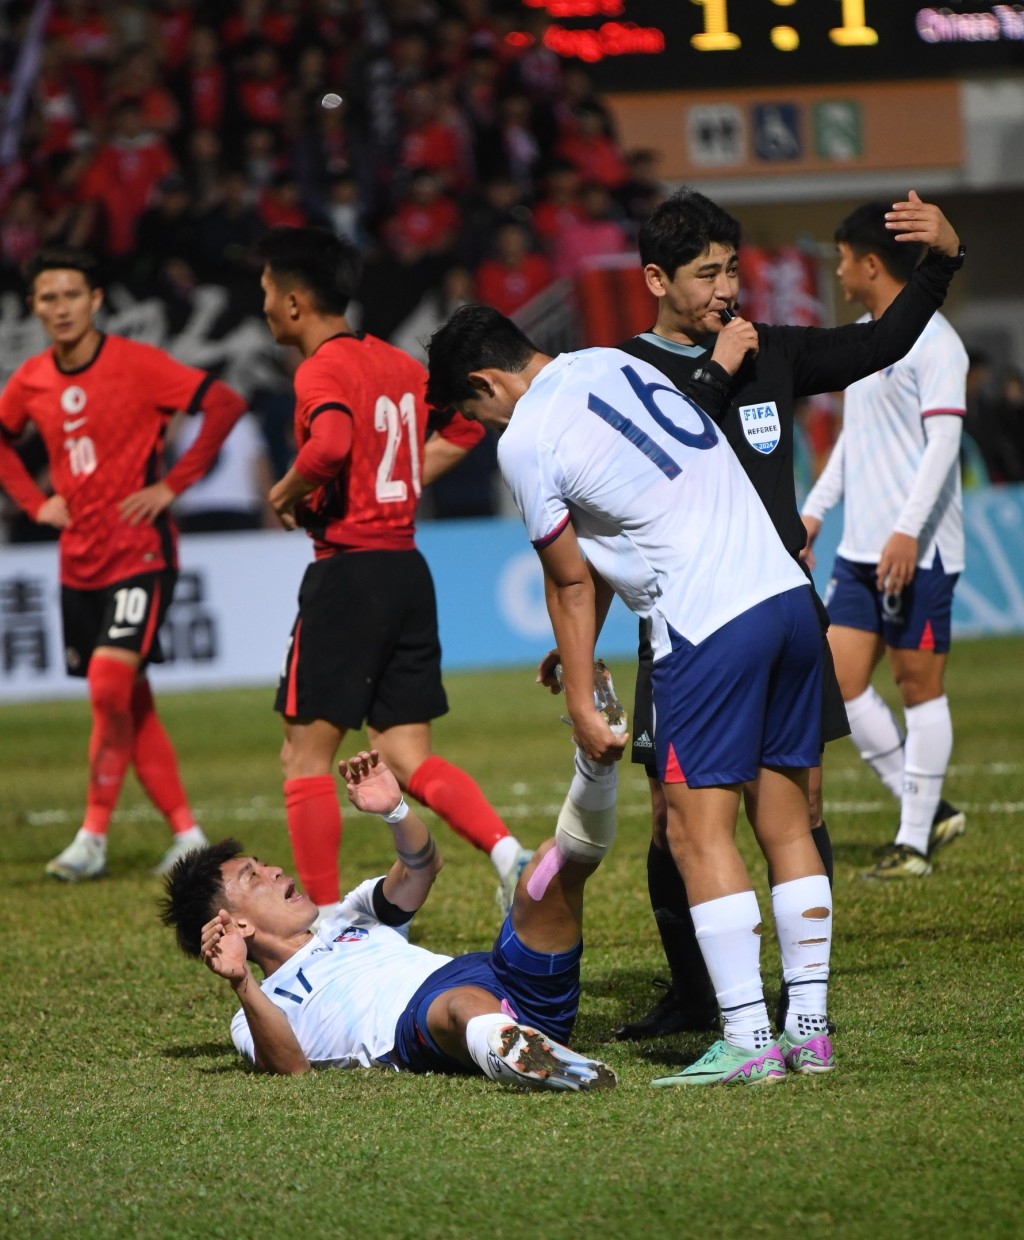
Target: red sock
[(155, 761), (456, 797), (110, 743), (314, 825)]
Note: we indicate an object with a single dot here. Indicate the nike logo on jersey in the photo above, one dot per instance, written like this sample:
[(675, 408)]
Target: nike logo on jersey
[(117, 631), (72, 424)]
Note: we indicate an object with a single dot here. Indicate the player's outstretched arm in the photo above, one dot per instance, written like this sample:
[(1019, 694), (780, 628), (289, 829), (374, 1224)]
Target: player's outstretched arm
[(916, 221), (373, 788), (224, 952)]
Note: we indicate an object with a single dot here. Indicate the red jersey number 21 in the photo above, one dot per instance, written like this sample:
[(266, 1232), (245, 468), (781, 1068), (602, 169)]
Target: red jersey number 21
[(391, 419)]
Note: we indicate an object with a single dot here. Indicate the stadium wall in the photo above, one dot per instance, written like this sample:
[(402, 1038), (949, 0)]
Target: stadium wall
[(236, 600)]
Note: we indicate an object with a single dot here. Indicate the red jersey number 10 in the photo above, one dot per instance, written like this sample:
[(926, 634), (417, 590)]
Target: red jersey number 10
[(81, 456)]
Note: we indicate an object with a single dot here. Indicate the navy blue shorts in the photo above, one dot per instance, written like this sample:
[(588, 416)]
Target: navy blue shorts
[(747, 696), (535, 988), (919, 618)]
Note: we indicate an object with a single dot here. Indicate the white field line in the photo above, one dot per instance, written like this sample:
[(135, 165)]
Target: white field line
[(262, 811)]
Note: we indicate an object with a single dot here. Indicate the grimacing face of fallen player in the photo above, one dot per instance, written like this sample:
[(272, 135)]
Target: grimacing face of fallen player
[(265, 896)]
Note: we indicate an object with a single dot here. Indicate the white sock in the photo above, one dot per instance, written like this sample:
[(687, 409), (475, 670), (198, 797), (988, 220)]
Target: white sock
[(594, 784), (927, 751), (477, 1030), (503, 855), (805, 943), (878, 738), (729, 934)]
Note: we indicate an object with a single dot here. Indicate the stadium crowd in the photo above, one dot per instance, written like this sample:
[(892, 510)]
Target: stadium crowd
[(167, 137), (441, 136)]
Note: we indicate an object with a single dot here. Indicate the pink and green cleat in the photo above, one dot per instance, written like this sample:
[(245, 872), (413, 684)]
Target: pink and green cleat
[(812, 1055), (731, 1065)]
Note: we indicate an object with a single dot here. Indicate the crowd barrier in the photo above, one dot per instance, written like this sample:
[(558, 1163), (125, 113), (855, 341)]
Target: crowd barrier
[(235, 602)]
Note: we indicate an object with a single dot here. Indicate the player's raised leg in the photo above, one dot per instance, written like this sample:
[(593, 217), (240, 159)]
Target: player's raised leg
[(541, 942)]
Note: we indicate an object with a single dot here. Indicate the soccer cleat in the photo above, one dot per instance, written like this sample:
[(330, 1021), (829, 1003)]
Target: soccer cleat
[(948, 823), (509, 881), (604, 697), (899, 861), (813, 1055), (731, 1065), (182, 844), (85, 857), (519, 1055), (670, 1015)]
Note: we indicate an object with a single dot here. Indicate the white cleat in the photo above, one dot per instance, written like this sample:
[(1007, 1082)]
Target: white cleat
[(519, 1055), (510, 880), (84, 858), (183, 843)]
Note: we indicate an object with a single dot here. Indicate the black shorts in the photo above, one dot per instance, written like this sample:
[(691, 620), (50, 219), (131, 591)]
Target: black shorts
[(126, 615), (365, 645), (834, 723)]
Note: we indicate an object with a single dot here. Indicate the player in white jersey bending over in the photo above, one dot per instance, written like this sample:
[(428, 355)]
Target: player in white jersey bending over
[(354, 992), (897, 465), (624, 484)]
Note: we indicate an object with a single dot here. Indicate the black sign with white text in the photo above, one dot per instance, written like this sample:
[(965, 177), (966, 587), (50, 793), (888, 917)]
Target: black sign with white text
[(718, 44)]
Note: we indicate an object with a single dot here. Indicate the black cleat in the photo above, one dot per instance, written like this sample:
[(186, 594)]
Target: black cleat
[(671, 1015), (948, 824)]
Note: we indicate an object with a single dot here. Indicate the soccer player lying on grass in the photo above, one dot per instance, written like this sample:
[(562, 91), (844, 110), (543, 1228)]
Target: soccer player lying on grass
[(354, 992)]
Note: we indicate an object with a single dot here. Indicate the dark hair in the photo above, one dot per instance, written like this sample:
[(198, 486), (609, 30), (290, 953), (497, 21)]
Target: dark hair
[(474, 338), (326, 265), (685, 225), (63, 258), (194, 891), (864, 231)]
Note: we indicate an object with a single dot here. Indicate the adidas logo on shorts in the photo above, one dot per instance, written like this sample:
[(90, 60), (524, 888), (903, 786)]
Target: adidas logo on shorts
[(643, 741)]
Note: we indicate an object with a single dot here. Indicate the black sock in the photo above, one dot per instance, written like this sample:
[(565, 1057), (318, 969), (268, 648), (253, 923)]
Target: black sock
[(823, 843), (671, 907)]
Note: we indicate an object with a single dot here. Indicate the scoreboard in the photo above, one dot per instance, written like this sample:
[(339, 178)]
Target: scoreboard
[(672, 45)]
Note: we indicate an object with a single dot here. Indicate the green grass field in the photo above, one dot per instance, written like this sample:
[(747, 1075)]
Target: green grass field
[(125, 1113)]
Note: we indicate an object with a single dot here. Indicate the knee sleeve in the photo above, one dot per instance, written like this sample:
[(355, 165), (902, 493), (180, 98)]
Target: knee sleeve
[(584, 835)]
